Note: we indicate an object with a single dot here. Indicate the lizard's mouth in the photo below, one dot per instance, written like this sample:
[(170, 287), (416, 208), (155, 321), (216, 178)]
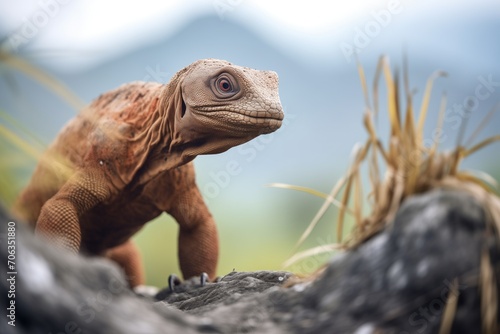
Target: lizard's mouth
[(266, 123), (244, 119), (264, 115), (260, 122), (222, 121)]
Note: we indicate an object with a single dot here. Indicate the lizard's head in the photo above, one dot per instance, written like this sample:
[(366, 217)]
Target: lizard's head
[(224, 105)]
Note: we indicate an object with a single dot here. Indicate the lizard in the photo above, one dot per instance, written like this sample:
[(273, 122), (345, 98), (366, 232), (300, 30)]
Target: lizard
[(127, 157)]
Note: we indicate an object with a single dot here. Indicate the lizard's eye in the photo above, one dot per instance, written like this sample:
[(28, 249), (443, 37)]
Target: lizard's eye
[(225, 86)]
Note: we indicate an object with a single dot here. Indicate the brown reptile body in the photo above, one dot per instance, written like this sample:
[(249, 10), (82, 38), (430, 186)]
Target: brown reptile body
[(126, 158)]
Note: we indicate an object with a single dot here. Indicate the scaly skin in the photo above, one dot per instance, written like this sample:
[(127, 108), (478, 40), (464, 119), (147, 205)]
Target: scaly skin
[(126, 158)]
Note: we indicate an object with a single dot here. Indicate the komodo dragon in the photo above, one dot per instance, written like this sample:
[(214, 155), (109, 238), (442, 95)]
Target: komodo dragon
[(126, 158)]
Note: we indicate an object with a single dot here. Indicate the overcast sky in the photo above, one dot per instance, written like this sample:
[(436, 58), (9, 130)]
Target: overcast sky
[(306, 28)]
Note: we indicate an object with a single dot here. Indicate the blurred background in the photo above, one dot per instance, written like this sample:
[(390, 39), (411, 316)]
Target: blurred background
[(93, 46)]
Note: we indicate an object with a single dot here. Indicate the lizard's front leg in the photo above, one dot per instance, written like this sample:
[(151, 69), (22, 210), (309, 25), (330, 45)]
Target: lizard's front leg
[(59, 219), (198, 239)]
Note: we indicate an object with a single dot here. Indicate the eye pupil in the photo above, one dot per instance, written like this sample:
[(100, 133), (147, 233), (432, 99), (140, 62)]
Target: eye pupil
[(224, 85)]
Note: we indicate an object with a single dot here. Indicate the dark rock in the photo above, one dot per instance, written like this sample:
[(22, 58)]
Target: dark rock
[(397, 282)]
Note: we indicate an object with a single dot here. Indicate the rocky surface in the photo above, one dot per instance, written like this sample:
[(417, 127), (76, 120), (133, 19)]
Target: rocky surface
[(397, 282)]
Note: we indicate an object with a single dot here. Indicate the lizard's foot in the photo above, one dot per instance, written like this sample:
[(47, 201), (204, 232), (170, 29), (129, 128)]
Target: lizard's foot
[(174, 280), (176, 285)]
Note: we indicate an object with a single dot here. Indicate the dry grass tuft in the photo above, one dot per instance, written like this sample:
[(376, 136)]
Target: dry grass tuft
[(409, 168)]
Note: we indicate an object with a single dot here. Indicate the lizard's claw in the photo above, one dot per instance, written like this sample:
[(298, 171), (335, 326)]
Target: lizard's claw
[(203, 279), (173, 280)]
